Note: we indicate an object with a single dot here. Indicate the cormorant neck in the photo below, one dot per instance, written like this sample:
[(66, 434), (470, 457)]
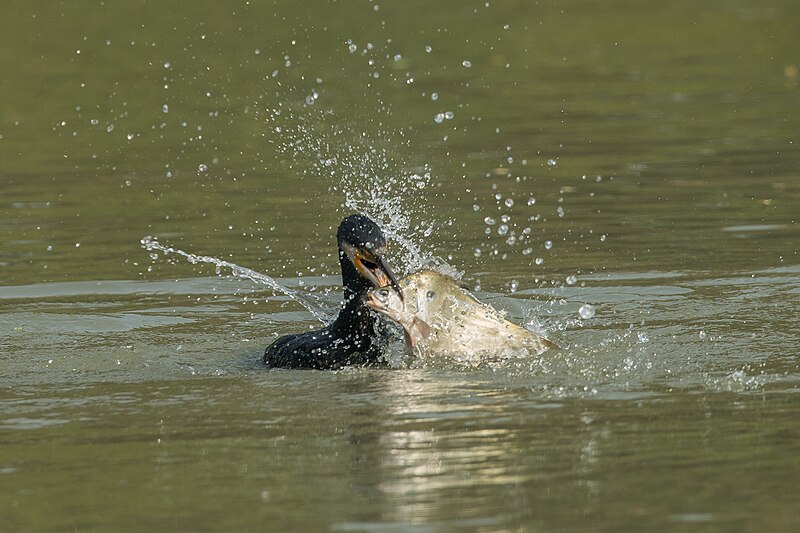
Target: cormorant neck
[(352, 281), (354, 313)]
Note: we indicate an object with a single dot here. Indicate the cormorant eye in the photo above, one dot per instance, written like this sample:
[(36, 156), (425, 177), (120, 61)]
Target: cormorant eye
[(431, 294)]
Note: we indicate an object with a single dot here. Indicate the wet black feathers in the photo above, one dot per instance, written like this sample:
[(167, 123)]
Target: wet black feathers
[(350, 339)]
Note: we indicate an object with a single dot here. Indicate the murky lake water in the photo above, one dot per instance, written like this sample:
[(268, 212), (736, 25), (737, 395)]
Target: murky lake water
[(637, 158)]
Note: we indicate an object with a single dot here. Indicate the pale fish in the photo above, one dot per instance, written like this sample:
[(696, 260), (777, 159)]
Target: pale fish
[(441, 319)]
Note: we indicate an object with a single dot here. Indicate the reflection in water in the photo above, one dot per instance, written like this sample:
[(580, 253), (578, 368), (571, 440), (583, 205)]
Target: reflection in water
[(448, 442), (466, 450), (370, 449), (638, 158)]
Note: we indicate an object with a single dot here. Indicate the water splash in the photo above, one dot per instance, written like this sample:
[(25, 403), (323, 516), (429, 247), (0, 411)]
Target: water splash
[(369, 180), (315, 305)]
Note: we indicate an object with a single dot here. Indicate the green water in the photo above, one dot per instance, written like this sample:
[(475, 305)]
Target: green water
[(639, 158)]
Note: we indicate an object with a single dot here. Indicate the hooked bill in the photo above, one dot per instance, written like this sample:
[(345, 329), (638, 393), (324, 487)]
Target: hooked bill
[(440, 318)]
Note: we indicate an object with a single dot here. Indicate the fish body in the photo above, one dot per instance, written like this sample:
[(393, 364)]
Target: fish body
[(441, 319)]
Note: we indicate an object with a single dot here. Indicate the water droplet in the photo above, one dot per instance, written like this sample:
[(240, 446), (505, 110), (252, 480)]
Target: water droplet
[(353, 48), (434, 96), (552, 162), (448, 115), (538, 260), (586, 311), (476, 207), (201, 167), (438, 118), (571, 280), (398, 57), (603, 238), (165, 108), (531, 200), (129, 136), (167, 64), (110, 128), (509, 202), (466, 63), (527, 251), (514, 285), (476, 252), (502, 230), (490, 221), (702, 333), (642, 336), (77, 245), (560, 211), (548, 245), (428, 49)]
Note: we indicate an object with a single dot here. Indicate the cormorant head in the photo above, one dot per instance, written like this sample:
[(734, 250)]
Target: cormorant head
[(362, 247)]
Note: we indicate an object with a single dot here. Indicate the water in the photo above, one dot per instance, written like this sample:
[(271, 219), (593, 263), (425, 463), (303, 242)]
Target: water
[(641, 161), (312, 304)]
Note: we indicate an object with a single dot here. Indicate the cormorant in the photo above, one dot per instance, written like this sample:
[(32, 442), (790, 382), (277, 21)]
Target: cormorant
[(348, 340)]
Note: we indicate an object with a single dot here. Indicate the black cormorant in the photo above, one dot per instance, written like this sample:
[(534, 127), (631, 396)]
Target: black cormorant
[(348, 340)]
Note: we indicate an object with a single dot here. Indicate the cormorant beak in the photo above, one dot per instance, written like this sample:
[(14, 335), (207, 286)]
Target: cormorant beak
[(373, 267), (386, 276)]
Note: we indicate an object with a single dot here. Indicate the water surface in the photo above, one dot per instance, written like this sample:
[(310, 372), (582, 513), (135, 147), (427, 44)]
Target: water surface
[(638, 159)]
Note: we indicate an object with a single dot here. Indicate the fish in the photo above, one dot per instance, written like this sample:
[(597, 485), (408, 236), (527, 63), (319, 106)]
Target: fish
[(440, 318)]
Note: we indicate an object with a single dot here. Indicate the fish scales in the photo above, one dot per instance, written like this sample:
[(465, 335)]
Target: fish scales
[(441, 319)]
